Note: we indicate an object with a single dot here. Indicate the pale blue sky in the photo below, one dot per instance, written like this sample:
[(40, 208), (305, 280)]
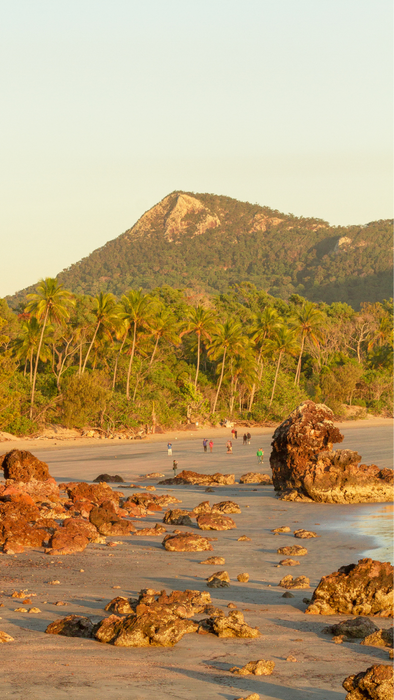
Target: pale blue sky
[(109, 105)]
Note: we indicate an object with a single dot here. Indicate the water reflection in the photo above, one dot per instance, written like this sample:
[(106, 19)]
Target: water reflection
[(378, 524)]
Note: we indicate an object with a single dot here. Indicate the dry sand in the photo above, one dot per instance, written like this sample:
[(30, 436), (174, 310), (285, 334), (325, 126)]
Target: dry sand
[(45, 667)]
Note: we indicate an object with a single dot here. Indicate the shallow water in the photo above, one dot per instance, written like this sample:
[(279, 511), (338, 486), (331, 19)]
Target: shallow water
[(371, 520)]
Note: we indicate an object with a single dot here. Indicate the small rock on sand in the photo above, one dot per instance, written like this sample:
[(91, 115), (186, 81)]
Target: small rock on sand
[(216, 561), (279, 530), (244, 538), (243, 578), (304, 534), (290, 582), (289, 562), (256, 668), (4, 638)]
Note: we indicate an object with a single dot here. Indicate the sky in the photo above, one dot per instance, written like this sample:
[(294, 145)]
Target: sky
[(107, 106)]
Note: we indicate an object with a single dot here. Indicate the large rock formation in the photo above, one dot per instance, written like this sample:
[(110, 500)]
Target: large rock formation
[(21, 465), (305, 467), (376, 683), (365, 588)]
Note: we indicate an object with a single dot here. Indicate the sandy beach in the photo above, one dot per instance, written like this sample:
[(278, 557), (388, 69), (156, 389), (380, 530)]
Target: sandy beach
[(45, 667)]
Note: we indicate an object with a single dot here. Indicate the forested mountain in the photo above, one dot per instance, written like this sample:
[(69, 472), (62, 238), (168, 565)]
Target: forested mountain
[(211, 242)]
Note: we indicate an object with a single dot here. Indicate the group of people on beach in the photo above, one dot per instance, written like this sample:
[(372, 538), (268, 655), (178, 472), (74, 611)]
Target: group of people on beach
[(229, 446)]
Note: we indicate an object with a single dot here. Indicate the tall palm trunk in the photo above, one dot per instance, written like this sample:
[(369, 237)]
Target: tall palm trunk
[(220, 382), (37, 361), (276, 376), (131, 362), (117, 360), (90, 347), (31, 366), (252, 393), (154, 350), (298, 371), (198, 357)]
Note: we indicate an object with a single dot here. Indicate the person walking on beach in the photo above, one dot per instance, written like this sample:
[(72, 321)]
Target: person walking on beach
[(233, 433), (174, 466), (210, 445), (169, 448), (205, 444), (245, 439), (236, 434), (229, 446), (248, 436), (260, 455)]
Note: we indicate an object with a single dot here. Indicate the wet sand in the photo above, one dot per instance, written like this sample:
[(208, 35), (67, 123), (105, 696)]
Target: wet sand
[(45, 667)]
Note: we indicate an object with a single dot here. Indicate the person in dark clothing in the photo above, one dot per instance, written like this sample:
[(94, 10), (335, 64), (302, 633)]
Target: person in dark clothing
[(205, 444), (245, 439), (174, 466), (248, 435), (236, 434)]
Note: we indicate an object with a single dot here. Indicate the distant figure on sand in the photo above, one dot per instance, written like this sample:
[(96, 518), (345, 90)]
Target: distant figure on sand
[(244, 439), (169, 448), (205, 444), (260, 455), (210, 445), (236, 434), (229, 446), (174, 466), (248, 435), (233, 432)]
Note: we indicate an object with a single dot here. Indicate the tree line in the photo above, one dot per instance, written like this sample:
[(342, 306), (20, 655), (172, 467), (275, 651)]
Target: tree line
[(171, 356)]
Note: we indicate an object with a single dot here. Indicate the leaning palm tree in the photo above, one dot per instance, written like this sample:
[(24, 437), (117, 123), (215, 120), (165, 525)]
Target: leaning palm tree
[(50, 302), (163, 327), (307, 321), (283, 342), (107, 319), (202, 322), (136, 311), (228, 336)]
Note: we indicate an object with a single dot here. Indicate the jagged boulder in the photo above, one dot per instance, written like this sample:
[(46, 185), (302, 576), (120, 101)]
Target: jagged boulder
[(94, 493), (186, 542), (188, 477), (155, 531), (107, 522), (290, 582), (148, 629), (255, 478), (226, 507), (109, 479), (379, 638), (356, 628), (21, 465), (365, 588), (304, 465), (74, 536), (177, 516), (256, 668), (72, 626), (376, 683), (233, 625), (215, 521)]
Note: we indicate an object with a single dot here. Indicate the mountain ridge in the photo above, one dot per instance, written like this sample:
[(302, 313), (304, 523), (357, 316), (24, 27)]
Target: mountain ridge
[(213, 242)]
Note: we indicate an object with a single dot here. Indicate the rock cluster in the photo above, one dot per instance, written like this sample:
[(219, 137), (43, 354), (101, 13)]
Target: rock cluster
[(34, 512), (109, 479), (154, 619), (290, 582), (188, 477), (304, 466), (365, 588), (376, 683)]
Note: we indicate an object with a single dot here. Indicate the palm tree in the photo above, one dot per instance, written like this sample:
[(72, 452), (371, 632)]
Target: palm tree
[(136, 311), (50, 302), (307, 321), (228, 336), (107, 318), (27, 342), (165, 327), (283, 342), (202, 322), (241, 369), (266, 323)]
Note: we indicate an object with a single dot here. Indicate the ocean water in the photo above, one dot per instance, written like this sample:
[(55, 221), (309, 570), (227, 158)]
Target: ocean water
[(373, 520)]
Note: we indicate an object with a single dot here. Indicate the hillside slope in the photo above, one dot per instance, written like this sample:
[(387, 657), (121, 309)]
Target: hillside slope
[(212, 242)]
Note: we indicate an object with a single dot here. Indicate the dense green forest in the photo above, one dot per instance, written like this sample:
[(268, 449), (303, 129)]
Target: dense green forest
[(171, 356), (211, 243)]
